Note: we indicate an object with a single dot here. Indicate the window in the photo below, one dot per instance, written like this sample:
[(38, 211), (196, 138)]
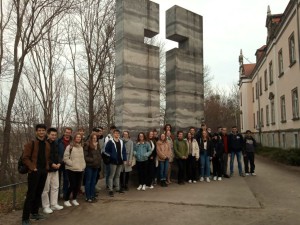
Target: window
[(266, 80), (241, 99), (295, 104), (260, 86), (271, 73), (257, 119), (273, 140), (283, 141), (280, 62), (256, 90), (292, 49), (267, 115), (282, 109), (296, 140), (272, 112), (254, 125), (262, 117), (252, 94)]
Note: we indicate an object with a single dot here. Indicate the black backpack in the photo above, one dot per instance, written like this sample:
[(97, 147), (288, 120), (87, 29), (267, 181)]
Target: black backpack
[(22, 168)]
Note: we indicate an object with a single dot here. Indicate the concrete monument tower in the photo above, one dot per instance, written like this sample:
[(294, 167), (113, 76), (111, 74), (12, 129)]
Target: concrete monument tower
[(184, 75), (137, 66)]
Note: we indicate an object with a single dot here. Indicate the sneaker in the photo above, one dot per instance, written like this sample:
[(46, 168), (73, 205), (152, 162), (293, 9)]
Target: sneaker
[(26, 222), (74, 202), (37, 217), (121, 191), (226, 176), (67, 203), (111, 193), (144, 187), (219, 178), (201, 179), (253, 174), (194, 181), (215, 178), (242, 175), (89, 200), (47, 210), (247, 174), (190, 181), (57, 207), (151, 187), (207, 180), (140, 187)]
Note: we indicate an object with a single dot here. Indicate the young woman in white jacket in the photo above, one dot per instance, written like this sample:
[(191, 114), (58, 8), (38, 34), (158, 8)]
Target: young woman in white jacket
[(193, 158)]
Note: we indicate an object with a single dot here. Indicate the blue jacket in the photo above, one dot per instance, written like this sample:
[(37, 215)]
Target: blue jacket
[(111, 150), (142, 151), (235, 142)]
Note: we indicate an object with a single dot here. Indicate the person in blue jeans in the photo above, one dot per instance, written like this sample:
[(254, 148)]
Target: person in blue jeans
[(164, 152), (206, 152), (235, 143)]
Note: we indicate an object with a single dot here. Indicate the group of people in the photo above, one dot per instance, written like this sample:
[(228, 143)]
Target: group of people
[(76, 161)]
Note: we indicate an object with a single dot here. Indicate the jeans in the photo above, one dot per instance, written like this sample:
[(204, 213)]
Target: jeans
[(51, 186), (217, 166), (36, 183), (150, 172), (249, 158), (114, 176), (238, 156), (65, 185), (90, 182), (163, 169), (205, 164), (225, 163)]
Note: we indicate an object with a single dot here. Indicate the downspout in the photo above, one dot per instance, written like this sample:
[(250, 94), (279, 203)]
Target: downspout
[(298, 28)]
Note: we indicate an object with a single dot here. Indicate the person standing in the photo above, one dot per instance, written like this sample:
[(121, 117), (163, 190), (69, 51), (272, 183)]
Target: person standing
[(181, 154), (151, 161), (75, 165), (249, 150), (224, 137), (170, 140), (116, 150), (142, 151), (36, 156), (52, 183), (205, 156), (193, 157), (163, 150), (127, 168), (92, 157), (235, 142), (63, 142), (218, 150)]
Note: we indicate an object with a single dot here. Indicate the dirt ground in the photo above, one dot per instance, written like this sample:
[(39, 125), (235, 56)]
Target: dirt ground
[(271, 197)]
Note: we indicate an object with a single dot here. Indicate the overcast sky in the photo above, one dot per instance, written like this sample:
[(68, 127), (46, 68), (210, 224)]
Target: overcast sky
[(228, 26)]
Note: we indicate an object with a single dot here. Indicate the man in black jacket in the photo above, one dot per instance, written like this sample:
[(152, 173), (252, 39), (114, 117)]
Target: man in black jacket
[(235, 142)]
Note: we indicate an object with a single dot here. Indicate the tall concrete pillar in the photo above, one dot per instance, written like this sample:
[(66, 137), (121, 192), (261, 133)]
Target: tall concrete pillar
[(184, 69), (137, 66)]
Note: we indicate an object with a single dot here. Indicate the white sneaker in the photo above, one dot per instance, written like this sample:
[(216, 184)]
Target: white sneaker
[(190, 181), (74, 202), (247, 174), (207, 180), (139, 188), (194, 181), (215, 178), (253, 174), (219, 178), (144, 187), (201, 179), (151, 187), (67, 203), (57, 207), (48, 210)]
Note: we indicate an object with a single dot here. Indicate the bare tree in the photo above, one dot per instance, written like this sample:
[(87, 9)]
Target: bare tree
[(31, 20)]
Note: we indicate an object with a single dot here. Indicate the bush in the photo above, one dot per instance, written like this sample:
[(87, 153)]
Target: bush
[(289, 157)]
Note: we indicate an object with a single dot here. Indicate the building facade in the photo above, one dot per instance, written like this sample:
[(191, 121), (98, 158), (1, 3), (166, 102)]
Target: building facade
[(269, 89)]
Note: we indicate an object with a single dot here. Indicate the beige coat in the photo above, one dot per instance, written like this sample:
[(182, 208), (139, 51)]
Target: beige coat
[(163, 150), (74, 159), (195, 148)]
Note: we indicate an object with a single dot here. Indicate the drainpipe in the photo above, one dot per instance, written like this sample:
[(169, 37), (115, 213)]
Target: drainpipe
[(298, 28)]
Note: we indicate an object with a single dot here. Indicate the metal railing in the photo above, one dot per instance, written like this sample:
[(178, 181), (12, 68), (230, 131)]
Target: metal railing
[(14, 193)]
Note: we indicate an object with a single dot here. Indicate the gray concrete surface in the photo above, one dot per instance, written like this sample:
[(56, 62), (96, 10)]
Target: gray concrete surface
[(272, 197)]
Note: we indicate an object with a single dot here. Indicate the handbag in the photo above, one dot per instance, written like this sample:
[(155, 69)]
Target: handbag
[(22, 168)]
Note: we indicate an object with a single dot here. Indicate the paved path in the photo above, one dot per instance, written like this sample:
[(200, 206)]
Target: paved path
[(272, 197)]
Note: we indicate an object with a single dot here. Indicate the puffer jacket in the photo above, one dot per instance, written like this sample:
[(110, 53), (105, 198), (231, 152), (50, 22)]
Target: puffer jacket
[(142, 151), (74, 158), (92, 156)]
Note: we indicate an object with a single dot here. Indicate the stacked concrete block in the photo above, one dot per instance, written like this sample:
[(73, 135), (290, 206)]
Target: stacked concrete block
[(137, 106), (184, 69)]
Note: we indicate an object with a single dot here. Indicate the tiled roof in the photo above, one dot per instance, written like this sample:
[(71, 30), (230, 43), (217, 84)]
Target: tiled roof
[(248, 68)]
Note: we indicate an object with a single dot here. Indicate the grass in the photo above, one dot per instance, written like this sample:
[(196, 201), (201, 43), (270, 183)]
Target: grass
[(6, 198), (289, 157)]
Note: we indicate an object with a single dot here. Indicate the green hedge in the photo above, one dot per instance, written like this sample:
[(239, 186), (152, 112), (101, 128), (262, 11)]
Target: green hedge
[(289, 156)]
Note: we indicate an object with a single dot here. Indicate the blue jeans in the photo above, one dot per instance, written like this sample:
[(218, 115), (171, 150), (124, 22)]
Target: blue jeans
[(90, 182), (65, 181), (205, 164), (163, 169), (238, 156)]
